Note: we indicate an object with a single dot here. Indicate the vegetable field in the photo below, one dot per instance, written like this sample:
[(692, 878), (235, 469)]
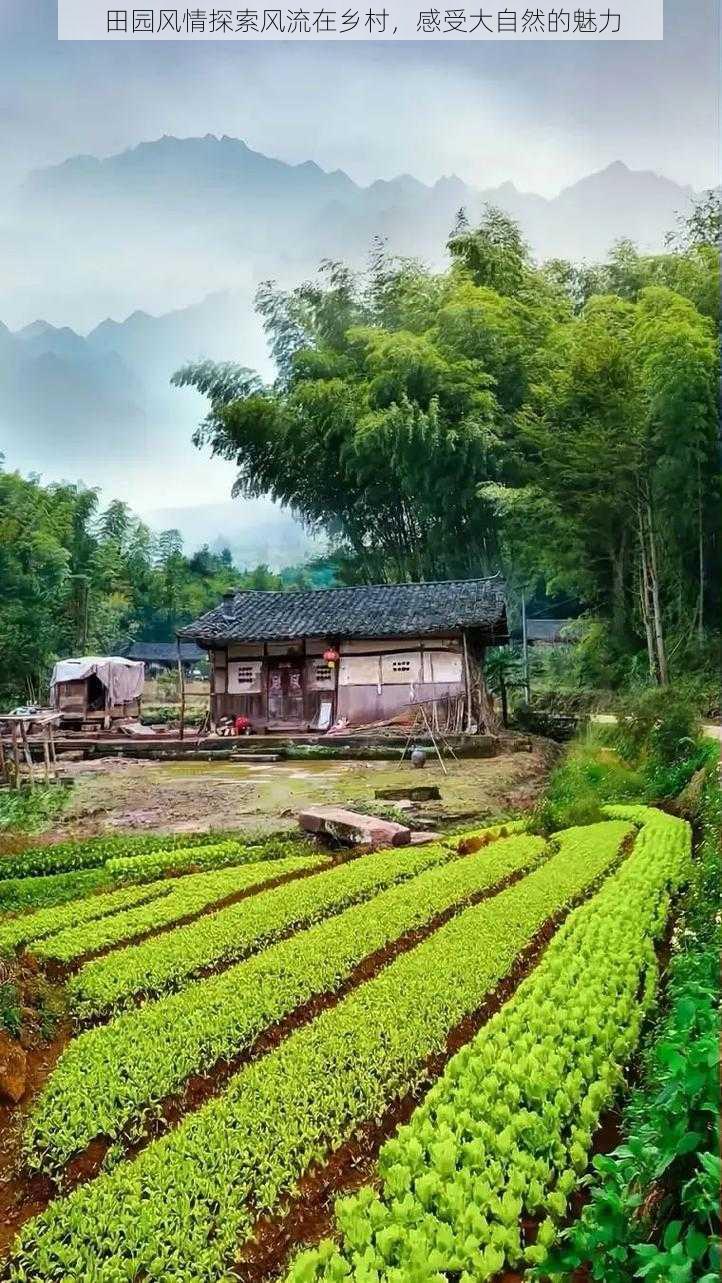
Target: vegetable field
[(240, 1019)]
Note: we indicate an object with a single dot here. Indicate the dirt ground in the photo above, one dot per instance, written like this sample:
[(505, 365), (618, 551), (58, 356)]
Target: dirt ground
[(117, 794)]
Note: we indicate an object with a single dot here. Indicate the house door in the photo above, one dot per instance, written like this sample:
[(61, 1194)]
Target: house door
[(285, 692)]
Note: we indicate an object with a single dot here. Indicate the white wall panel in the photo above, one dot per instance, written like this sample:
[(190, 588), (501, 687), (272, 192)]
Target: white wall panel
[(359, 670), (244, 676)]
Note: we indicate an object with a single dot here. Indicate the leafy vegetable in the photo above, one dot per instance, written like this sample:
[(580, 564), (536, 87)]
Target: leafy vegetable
[(506, 1133), (172, 901), (228, 935), (107, 1079), (177, 1211)]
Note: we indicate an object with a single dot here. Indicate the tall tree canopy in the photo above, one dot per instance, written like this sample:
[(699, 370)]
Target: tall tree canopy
[(74, 579), (556, 422)]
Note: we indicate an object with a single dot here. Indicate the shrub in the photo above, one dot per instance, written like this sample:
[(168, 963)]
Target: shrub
[(660, 725), (589, 777)]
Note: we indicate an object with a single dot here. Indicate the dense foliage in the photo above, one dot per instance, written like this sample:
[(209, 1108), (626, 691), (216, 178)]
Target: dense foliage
[(75, 579), (557, 423), (649, 755)]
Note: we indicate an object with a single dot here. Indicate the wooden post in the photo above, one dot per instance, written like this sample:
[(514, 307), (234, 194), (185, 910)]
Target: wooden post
[(181, 678), (46, 755), (28, 755), (3, 766), (467, 682), (16, 753), (525, 648)]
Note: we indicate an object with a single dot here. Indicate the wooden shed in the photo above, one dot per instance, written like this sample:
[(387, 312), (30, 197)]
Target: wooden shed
[(309, 660), (97, 688)]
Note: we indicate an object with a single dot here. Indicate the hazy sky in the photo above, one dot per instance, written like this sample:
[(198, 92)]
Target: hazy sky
[(541, 115)]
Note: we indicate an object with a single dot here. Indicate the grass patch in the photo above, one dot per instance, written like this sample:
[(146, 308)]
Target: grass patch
[(27, 811), (649, 756)]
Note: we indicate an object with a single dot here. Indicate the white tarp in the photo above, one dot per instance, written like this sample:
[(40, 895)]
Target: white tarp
[(122, 678)]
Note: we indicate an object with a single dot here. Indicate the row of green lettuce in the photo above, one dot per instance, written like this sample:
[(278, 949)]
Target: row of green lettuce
[(81, 927), (180, 1210), (110, 1078), (503, 1139), (124, 863), (654, 1206)]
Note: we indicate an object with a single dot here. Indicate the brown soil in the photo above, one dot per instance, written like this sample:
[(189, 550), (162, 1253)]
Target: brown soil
[(27, 1195), (115, 795), (309, 1214), (202, 1087), (22, 1197)]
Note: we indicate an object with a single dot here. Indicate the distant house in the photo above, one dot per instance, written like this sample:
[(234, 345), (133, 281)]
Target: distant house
[(351, 656), (158, 656), (549, 632)]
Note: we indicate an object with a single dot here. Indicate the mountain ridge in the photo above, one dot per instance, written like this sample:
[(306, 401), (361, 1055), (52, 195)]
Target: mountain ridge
[(158, 146)]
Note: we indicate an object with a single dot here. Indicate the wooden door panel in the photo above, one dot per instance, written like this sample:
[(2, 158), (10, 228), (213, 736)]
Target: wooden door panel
[(285, 692)]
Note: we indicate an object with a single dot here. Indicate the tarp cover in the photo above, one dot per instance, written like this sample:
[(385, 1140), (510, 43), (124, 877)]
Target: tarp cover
[(122, 678)]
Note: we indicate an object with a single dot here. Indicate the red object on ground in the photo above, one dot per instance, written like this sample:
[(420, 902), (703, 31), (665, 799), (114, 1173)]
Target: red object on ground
[(242, 726)]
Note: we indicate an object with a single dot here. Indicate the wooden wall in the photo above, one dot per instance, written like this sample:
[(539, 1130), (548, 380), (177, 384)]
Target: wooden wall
[(373, 679)]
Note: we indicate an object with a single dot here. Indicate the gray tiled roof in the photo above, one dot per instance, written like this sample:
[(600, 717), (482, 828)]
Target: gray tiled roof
[(383, 610), (164, 652)]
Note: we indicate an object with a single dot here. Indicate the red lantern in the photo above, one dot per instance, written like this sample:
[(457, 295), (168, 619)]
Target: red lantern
[(331, 656)]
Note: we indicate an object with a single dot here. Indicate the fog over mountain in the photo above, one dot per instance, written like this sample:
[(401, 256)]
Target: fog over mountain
[(185, 229), (163, 224)]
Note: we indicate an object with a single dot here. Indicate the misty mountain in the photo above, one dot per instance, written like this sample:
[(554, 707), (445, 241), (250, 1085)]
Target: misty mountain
[(169, 221), (99, 407), (255, 530)]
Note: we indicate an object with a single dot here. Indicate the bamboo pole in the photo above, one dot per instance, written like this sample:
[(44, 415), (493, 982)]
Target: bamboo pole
[(181, 678), (467, 682), (525, 648), (16, 753)]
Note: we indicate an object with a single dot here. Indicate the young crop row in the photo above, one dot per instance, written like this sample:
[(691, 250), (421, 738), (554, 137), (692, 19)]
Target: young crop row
[(177, 1212), (46, 922), (18, 894), (70, 857), (51, 889), (170, 961), (506, 1132), (177, 899), (216, 855), (109, 1077)]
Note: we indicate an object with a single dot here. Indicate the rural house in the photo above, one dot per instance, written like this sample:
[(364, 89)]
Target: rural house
[(161, 657), (355, 656)]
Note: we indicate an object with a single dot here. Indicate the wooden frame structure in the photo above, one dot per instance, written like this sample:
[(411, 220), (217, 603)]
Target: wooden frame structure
[(21, 737)]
